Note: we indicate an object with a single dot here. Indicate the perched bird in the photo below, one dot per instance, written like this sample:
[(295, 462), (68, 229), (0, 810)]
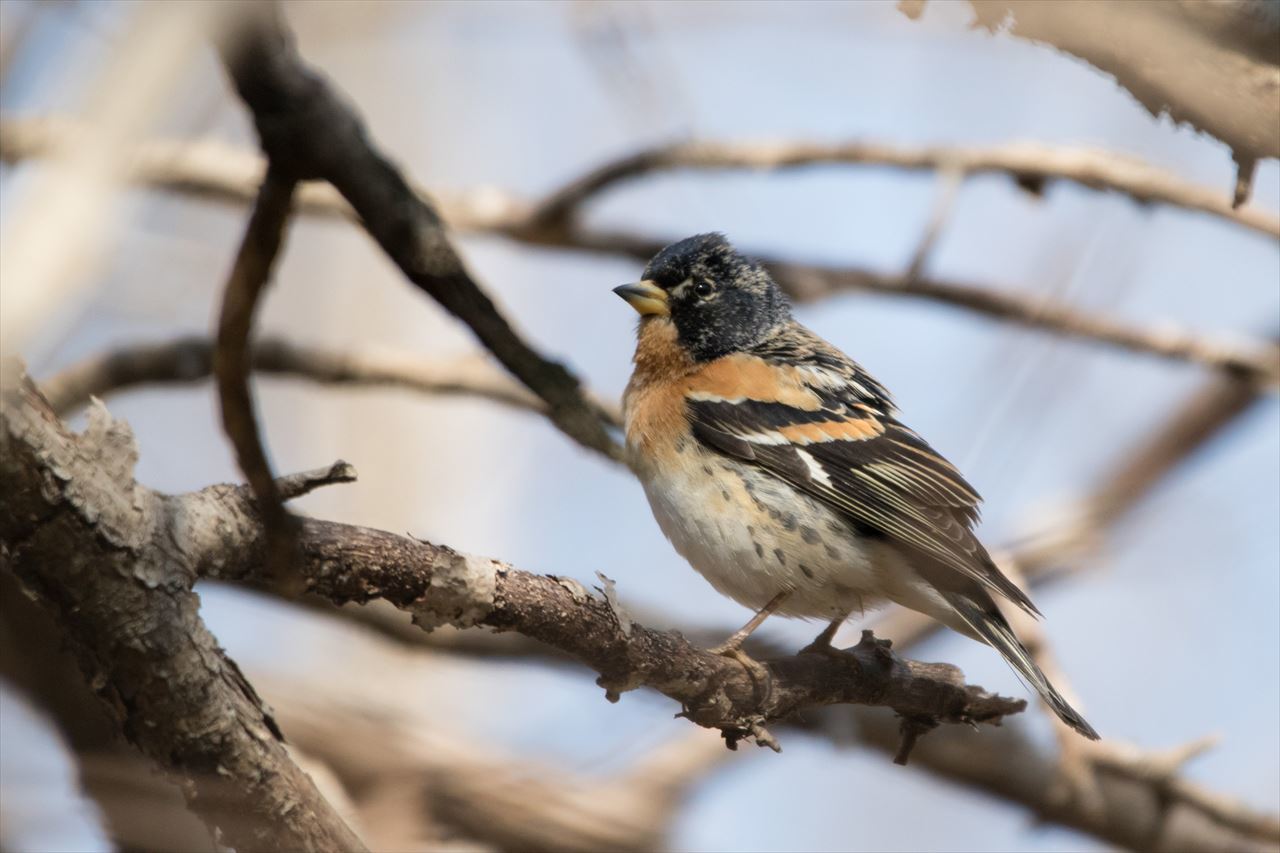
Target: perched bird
[(779, 469)]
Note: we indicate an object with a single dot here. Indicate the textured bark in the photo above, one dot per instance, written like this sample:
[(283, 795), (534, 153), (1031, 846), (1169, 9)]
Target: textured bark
[(217, 533), (344, 564), (112, 561)]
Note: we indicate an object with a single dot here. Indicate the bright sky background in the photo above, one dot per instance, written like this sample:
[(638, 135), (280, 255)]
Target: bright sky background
[(1182, 612)]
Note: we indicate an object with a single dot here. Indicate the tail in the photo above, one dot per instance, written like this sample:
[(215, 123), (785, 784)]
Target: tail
[(990, 625)]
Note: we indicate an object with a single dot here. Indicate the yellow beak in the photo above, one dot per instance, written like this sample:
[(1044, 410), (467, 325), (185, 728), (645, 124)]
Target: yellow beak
[(646, 297)]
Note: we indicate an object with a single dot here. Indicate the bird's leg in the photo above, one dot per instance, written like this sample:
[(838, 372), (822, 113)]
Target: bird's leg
[(732, 647), (735, 641), (821, 644)]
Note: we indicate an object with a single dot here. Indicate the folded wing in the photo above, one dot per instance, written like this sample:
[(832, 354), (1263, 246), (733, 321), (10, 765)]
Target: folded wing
[(826, 427)]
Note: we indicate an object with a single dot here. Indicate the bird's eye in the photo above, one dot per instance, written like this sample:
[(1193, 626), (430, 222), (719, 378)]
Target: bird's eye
[(703, 289)]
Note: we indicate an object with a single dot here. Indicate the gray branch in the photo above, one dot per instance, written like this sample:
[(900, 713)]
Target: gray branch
[(217, 533), (112, 562)]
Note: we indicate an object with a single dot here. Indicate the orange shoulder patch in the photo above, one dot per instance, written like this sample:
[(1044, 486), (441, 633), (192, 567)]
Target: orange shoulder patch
[(855, 429), (739, 377)]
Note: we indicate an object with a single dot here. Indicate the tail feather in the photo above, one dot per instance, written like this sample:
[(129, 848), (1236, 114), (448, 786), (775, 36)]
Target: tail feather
[(991, 626)]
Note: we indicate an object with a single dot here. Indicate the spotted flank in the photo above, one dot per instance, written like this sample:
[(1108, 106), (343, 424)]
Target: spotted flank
[(849, 451)]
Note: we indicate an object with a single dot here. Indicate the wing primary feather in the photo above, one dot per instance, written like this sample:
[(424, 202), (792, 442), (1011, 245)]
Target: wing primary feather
[(879, 474)]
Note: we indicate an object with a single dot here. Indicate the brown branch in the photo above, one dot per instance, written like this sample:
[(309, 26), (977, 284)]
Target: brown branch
[(217, 533), (1211, 65), (416, 782), (109, 560), (1135, 813), (188, 359), (473, 790), (440, 586), (226, 173), (1136, 471), (221, 173), (302, 121), (810, 282), (250, 275), (1133, 474), (1029, 164)]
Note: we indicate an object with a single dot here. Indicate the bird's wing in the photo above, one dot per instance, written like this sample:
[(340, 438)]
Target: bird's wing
[(815, 419)]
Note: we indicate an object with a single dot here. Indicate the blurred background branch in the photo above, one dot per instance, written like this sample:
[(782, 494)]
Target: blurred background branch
[(301, 120), (208, 170), (369, 754), (1215, 66)]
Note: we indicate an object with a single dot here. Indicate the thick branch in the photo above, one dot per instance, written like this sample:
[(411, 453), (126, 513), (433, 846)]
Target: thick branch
[(418, 577), (109, 559), (346, 563), (217, 533), (303, 122)]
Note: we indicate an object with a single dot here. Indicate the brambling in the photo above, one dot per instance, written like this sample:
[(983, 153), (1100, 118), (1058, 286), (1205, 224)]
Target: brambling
[(779, 469)]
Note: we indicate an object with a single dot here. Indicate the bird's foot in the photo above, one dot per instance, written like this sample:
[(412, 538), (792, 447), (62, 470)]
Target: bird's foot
[(821, 644), (759, 672)]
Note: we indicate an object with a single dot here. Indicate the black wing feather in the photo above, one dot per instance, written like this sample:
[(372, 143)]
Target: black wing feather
[(891, 483)]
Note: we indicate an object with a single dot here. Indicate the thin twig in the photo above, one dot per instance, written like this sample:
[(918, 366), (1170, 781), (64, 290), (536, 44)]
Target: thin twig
[(189, 359), (218, 172), (949, 182), (811, 282), (249, 278), (302, 483), (1030, 164), (298, 114)]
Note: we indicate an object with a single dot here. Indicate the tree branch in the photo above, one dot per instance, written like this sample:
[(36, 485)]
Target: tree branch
[(110, 560), (440, 586), (188, 359), (217, 533), (250, 275), (1136, 814), (221, 173), (1215, 66), (302, 120), (1031, 165)]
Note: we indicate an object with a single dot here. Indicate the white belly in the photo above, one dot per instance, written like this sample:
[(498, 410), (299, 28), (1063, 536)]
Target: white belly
[(753, 536)]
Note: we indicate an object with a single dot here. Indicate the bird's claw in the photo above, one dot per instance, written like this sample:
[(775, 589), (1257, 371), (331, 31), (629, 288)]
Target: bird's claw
[(759, 672)]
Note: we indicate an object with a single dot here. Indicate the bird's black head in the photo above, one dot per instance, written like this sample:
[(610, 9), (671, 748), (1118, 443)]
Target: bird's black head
[(719, 301)]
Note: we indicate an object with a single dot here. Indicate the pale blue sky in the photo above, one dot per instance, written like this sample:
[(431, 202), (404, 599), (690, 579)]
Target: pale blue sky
[(524, 96)]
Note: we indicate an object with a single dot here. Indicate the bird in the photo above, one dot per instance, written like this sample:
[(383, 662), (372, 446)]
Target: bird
[(779, 469)]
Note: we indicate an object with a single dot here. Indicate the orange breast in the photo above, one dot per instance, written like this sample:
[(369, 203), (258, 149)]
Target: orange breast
[(653, 405)]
